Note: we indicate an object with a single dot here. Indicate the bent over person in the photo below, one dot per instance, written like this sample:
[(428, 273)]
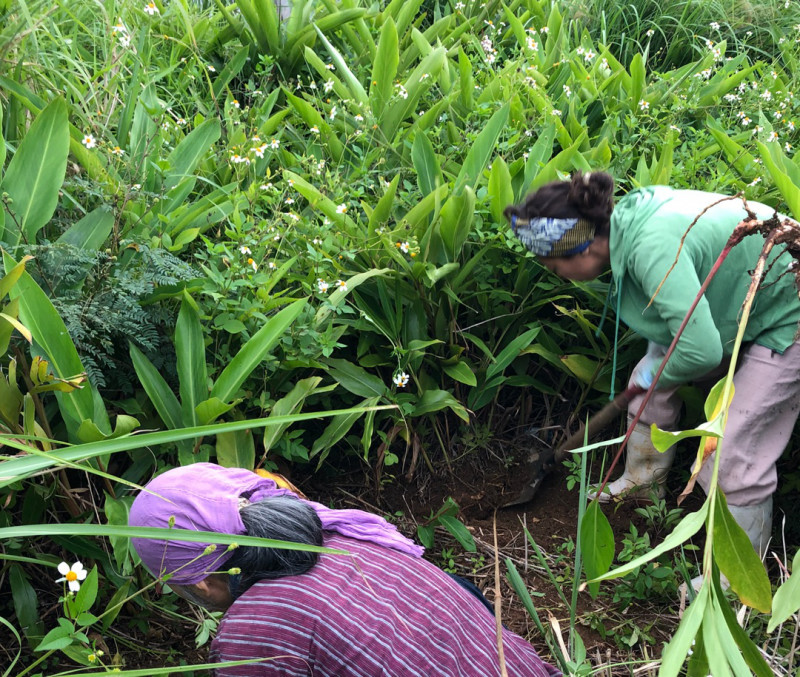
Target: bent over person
[(657, 266), (379, 610)]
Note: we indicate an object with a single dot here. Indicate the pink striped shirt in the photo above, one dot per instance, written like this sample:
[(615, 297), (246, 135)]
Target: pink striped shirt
[(376, 612)]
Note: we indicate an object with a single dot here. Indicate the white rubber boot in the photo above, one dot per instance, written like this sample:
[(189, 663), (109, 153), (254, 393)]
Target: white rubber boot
[(756, 520), (646, 469)]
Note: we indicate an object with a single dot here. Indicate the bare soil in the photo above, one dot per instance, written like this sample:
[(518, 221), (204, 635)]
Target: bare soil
[(480, 483)]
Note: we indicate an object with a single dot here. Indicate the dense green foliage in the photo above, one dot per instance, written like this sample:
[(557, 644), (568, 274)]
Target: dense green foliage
[(235, 218)]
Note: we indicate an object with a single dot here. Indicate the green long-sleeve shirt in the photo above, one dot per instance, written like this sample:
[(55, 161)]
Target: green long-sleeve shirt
[(646, 229)]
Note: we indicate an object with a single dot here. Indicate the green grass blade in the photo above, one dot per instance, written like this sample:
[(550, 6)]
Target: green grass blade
[(20, 467)]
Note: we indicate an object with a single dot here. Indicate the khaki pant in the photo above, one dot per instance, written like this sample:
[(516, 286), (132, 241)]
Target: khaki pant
[(763, 413)]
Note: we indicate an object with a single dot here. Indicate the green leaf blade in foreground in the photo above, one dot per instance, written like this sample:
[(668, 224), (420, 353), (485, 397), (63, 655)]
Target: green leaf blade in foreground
[(36, 530), (738, 560), (254, 351), (787, 598), (597, 539), (19, 468), (676, 651), (36, 172)]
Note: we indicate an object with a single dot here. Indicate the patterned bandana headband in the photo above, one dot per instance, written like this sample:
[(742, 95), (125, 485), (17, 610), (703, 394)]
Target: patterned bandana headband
[(207, 497), (545, 236)]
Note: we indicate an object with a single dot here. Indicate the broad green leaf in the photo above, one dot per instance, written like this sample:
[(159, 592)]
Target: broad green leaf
[(664, 439), (429, 175), (254, 351), (115, 604), (597, 544), (190, 351), (787, 597), (501, 193), (236, 449), (466, 81), (338, 428), (116, 511), (143, 132), (232, 68), (460, 372), (50, 333), (190, 151), (457, 217), (11, 277), (355, 379), (749, 651), (586, 370), (511, 352), (675, 652), (89, 432), (737, 155), (738, 560), (459, 531), (782, 171), (685, 529), (436, 400), (166, 404), (211, 409), (36, 172), (25, 601), (717, 649), (482, 149), (86, 596), (58, 638), (289, 404), (638, 76), (91, 231), (383, 209), (415, 86), (337, 297), (540, 153)]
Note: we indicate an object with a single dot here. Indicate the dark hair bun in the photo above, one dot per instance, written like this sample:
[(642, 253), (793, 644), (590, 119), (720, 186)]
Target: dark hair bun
[(592, 194)]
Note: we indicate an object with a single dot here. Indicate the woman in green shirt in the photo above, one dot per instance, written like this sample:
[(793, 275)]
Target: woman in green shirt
[(578, 232)]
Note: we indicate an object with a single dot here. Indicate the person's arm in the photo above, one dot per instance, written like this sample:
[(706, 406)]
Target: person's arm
[(700, 348)]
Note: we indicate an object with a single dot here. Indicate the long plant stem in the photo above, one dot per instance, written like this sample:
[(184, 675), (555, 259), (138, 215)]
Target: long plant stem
[(726, 394), (714, 269)]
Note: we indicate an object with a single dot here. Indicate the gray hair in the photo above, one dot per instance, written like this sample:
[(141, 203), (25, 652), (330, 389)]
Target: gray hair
[(282, 518)]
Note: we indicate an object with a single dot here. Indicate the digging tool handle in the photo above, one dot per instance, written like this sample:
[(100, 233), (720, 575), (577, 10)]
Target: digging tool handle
[(599, 421)]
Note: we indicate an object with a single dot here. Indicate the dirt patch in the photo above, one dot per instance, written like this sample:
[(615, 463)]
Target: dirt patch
[(612, 631)]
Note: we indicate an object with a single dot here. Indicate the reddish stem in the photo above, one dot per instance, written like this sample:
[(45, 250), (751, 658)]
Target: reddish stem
[(734, 239)]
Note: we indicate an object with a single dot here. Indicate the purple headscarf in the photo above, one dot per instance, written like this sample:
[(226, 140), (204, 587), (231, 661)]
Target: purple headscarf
[(206, 497)]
